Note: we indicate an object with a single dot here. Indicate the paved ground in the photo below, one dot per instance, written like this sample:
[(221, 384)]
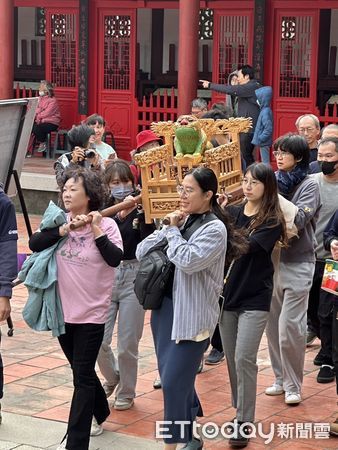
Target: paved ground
[(38, 393)]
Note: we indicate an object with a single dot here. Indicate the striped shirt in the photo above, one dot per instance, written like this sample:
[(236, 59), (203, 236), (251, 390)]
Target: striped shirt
[(198, 278)]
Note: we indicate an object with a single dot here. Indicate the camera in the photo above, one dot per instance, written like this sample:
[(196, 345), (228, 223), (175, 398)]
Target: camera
[(90, 153)]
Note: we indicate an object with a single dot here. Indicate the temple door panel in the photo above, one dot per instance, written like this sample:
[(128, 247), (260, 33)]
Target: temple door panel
[(61, 60), (116, 74), (233, 37), (295, 67)]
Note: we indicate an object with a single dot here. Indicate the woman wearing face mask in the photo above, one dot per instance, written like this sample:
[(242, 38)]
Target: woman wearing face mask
[(120, 372), (47, 116), (286, 328)]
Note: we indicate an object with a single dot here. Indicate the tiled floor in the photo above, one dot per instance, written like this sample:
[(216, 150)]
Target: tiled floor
[(38, 383)]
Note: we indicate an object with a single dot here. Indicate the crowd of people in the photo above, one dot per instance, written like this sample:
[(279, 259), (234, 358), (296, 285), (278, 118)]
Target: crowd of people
[(286, 227)]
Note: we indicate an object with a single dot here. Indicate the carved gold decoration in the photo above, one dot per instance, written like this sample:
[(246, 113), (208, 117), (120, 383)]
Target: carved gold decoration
[(152, 156), (236, 125), (221, 153), (165, 205), (160, 170)]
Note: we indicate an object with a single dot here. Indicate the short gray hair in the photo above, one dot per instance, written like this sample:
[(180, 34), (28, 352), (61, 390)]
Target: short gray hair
[(199, 103), (311, 116), (332, 127)]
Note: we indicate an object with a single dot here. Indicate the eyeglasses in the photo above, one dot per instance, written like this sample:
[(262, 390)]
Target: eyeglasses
[(279, 154), (306, 130), (181, 190), (250, 182)]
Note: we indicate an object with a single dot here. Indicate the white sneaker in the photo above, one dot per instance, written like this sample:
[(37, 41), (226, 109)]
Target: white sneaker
[(275, 389), (96, 429), (122, 405), (292, 398)]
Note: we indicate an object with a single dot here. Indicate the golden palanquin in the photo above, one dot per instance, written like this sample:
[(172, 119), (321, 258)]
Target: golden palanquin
[(162, 171)]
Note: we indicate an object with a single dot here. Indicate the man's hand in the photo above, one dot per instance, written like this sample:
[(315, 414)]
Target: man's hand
[(334, 249), (205, 83), (78, 155), (5, 308)]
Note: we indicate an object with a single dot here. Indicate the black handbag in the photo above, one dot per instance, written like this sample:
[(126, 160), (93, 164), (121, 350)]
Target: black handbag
[(156, 270)]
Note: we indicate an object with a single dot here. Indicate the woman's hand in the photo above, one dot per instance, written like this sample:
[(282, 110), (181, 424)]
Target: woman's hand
[(223, 200), (125, 212), (334, 249), (176, 218), (64, 229), (78, 155), (96, 218)]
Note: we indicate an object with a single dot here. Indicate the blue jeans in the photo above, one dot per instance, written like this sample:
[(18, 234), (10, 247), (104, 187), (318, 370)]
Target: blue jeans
[(81, 344), (265, 155), (177, 365)]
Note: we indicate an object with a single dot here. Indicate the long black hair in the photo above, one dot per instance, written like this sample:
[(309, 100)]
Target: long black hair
[(270, 210), (237, 243)]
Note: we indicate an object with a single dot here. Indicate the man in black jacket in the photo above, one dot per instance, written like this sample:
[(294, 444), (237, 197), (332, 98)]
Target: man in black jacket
[(247, 105), (8, 262)]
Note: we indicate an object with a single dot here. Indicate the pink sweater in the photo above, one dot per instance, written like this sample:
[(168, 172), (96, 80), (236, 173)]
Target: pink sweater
[(47, 111)]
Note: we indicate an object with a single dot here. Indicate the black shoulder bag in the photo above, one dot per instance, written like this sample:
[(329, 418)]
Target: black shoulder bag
[(156, 270)]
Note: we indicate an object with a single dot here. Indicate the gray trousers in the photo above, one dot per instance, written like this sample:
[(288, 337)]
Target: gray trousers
[(241, 334), (123, 369), (286, 328)]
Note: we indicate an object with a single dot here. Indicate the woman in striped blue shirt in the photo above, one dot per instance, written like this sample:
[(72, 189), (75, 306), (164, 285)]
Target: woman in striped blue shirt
[(189, 312)]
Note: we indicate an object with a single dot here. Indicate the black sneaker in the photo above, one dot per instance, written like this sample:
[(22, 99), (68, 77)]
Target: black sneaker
[(326, 374), (319, 359), (240, 440), (215, 357)]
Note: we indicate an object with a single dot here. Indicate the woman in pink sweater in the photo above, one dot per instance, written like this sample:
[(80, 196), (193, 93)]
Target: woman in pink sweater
[(47, 117)]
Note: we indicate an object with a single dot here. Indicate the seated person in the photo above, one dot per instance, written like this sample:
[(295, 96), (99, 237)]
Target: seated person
[(81, 154), (98, 124), (47, 116)]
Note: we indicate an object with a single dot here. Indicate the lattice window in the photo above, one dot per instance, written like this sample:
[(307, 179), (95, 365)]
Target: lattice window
[(295, 59), (206, 24), (233, 49), (63, 50), (117, 30), (288, 28), (40, 22)]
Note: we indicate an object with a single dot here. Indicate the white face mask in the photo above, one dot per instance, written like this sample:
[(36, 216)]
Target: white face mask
[(41, 93)]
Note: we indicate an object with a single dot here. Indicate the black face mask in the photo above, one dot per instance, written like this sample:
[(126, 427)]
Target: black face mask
[(328, 167)]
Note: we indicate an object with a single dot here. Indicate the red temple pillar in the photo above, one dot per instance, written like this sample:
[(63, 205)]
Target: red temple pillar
[(187, 54), (6, 49)]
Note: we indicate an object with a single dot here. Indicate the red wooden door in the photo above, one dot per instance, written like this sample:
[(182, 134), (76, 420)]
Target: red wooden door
[(233, 37), (116, 74), (61, 60), (295, 67)]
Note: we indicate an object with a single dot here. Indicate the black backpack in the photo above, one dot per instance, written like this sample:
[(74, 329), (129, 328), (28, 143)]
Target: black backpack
[(156, 270)]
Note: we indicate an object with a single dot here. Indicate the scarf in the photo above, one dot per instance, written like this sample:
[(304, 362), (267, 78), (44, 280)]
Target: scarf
[(288, 181)]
